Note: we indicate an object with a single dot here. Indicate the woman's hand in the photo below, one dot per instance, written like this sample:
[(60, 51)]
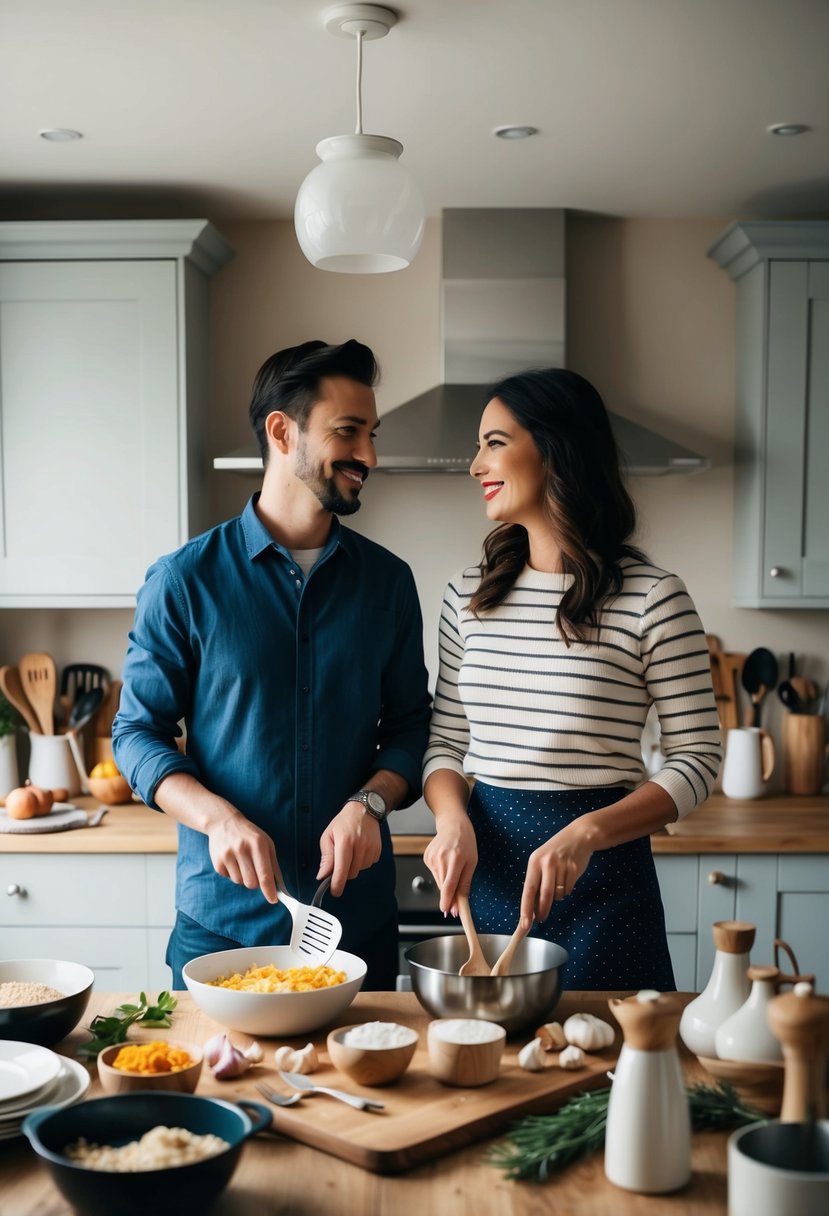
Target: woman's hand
[(554, 869), (452, 855)]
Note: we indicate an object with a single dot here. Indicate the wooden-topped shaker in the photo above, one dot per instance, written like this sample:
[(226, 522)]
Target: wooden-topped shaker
[(800, 1019)]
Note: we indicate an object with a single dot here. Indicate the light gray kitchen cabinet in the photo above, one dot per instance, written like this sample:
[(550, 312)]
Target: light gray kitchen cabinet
[(112, 912), (781, 542), (784, 895), (103, 395)]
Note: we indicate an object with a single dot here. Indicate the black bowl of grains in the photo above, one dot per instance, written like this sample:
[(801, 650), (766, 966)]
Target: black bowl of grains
[(42, 999)]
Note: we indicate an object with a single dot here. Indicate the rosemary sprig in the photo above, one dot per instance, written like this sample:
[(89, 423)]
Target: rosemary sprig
[(540, 1145)]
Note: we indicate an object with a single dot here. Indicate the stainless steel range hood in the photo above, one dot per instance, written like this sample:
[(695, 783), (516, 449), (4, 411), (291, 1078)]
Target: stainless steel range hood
[(503, 310)]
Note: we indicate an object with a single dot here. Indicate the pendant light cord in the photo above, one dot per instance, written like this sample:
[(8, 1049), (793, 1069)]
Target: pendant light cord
[(360, 34)]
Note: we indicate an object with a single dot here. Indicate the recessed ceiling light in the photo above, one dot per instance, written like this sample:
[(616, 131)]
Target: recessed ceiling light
[(515, 132), (59, 135), (787, 128)]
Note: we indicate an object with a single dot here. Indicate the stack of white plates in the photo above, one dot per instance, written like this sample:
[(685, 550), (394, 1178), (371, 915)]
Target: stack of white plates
[(31, 1077)]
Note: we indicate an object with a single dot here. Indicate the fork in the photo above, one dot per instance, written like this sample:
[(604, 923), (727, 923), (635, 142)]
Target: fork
[(279, 1099), (306, 1086)]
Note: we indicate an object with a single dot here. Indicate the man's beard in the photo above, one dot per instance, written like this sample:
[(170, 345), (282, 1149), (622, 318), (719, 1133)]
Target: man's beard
[(325, 488)]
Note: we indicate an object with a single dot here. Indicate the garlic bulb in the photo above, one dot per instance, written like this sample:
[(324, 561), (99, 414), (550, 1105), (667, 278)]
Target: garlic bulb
[(304, 1061), (228, 1061), (572, 1057), (588, 1032), (531, 1056)]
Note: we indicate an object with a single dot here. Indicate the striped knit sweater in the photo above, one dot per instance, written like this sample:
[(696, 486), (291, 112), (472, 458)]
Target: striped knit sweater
[(515, 707)]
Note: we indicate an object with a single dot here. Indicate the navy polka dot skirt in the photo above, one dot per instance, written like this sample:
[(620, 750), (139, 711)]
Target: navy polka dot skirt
[(612, 925)]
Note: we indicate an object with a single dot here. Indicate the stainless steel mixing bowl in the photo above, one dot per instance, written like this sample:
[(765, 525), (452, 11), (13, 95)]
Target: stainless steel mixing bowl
[(521, 999)]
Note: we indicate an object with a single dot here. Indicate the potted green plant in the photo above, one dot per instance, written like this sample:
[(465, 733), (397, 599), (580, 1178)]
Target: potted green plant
[(9, 722)]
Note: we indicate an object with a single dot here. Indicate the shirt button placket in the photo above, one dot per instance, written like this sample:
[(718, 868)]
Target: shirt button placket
[(306, 844)]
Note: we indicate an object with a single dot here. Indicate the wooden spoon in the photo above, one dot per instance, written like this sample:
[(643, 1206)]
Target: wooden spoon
[(13, 692), (40, 684), (505, 961), (476, 964)]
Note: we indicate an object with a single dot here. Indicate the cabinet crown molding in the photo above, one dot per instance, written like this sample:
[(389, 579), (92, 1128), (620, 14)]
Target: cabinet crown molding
[(743, 245), (195, 240)]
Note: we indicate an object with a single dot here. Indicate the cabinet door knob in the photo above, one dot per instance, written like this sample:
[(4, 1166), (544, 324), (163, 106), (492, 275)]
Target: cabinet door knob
[(14, 888), (776, 572), (421, 883), (716, 878)]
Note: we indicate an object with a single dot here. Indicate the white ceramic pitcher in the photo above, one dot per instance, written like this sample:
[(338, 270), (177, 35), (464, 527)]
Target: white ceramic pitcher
[(749, 762)]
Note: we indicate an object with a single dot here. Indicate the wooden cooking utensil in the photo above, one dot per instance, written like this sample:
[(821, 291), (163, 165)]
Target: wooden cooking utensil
[(504, 963), (476, 964), (40, 684), (806, 691), (726, 670), (109, 708), (12, 687)]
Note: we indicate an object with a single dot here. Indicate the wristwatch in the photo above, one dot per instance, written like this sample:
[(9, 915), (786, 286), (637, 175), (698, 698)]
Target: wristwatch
[(373, 802)]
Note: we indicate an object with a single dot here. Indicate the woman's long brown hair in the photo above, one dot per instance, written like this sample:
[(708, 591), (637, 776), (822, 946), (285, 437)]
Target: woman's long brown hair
[(589, 509)]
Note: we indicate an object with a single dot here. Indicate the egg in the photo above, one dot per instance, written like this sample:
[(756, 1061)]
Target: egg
[(45, 798), (22, 803)]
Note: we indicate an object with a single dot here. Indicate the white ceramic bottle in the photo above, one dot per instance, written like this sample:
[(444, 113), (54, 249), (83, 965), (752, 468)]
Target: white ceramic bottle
[(727, 989), (648, 1138), (746, 1034)]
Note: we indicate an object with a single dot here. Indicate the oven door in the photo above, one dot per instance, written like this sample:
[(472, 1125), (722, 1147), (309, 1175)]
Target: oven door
[(418, 904)]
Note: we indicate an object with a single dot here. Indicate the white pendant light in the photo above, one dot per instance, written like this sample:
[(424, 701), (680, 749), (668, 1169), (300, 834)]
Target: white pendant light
[(360, 211)]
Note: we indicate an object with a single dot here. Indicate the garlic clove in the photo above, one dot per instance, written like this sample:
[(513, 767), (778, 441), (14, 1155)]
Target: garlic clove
[(253, 1053), (213, 1048), (551, 1036), (307, 1059), (286, 1059), (231, 1063), (532, 1056), (588, 1032), (571, 1058)]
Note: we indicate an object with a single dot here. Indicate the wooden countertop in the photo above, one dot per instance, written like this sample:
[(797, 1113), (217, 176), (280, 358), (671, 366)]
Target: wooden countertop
[(277, 1175), (779, 824)]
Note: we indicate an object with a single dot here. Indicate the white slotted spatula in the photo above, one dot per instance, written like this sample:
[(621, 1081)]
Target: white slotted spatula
[(316, 933)]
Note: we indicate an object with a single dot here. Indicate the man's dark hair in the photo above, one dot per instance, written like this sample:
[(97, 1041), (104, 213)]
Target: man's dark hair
[(290, 381)]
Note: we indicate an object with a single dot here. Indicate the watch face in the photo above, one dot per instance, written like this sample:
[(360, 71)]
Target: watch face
[(376, 803)]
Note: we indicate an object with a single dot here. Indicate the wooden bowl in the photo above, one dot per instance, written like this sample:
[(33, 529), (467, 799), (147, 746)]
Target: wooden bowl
[(370, 1065), (116, 1081), (464, 1064), (111, 790), (758, 1082)]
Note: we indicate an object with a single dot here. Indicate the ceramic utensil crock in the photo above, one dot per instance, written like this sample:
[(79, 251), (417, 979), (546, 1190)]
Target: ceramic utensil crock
[(749, 762), (726, 990), (648, 1139), (51, 764)]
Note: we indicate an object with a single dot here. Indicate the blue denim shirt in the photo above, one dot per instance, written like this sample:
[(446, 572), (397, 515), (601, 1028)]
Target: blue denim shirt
[(293, 692)]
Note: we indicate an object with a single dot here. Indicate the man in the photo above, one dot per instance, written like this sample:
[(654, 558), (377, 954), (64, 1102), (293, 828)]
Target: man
[(292, 648)]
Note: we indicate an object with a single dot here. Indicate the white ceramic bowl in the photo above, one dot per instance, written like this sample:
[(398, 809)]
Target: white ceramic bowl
[(270, 1013)]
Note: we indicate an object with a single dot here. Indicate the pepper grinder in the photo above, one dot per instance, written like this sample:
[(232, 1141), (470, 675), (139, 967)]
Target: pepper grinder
[(648, 1138), (800, 1019), (727, 989)]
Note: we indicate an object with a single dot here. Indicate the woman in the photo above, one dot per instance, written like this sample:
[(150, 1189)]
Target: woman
[(551, 653)]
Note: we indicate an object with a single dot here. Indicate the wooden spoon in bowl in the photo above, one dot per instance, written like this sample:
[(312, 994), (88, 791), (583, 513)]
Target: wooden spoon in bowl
[(504, 963), (476, 964)]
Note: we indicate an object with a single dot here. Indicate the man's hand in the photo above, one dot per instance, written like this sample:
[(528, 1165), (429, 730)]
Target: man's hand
[(349, 844), (244, 853)]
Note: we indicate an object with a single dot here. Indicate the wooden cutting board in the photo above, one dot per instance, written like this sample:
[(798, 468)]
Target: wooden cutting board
[(423, 1119)]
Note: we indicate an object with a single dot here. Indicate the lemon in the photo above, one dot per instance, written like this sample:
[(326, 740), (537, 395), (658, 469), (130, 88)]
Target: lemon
[(106, 768)]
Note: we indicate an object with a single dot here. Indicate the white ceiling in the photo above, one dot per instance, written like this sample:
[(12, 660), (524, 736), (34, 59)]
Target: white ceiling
[(644, 107)]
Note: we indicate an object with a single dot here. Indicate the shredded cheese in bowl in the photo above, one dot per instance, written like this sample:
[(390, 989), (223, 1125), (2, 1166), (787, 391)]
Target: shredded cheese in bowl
[(275, 979)]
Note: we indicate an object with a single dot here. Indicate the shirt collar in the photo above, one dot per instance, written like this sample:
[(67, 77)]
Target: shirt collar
[(258, 539)]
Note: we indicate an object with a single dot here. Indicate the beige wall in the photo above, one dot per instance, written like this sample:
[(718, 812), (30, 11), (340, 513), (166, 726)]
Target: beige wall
[(650, 321)]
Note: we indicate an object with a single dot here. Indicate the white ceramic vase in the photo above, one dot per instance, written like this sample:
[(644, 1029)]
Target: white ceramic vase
[(727, 989), (746, 1035)]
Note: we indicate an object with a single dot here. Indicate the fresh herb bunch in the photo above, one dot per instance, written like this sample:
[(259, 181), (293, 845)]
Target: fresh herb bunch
[(540, 1145), (9, 717), (107, 1031)]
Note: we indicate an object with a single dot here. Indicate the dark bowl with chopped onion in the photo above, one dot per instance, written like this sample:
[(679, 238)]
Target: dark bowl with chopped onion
[(113, 1123), (49, 998)]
